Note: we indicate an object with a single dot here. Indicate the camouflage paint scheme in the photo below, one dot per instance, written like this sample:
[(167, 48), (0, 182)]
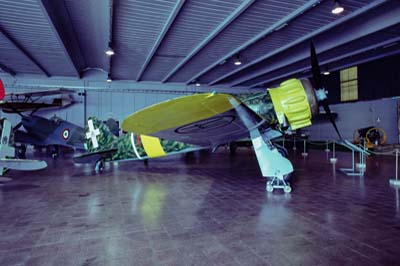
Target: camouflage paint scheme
[(261, 104), (123, 144)]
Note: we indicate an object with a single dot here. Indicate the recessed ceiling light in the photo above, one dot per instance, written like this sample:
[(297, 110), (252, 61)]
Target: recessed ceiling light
[(326, 73), (110, 51), (337, 8), (237, 60)]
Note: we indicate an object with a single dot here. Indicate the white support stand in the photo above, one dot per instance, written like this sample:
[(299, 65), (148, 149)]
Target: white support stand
[(396, 182), (333, 160), (283, 141), (294, 144), (361, 166), (304, 153)]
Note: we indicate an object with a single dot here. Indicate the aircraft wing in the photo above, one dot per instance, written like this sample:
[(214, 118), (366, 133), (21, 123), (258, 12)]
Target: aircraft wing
[(26, 138), (41, 93), (22, 164), (206, 119)]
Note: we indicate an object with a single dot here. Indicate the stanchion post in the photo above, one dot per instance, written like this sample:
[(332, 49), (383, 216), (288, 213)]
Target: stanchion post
[(327, 146), (396, 182), (333, 159), (304, 153)]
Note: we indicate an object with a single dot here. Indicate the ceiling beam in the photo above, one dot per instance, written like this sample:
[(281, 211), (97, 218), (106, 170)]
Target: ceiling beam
[(175, 11), (7, 70), (329, 61), (353, 30), (259, 36), (304, 38), (365, 60), (59, 20), (246, 4), (24, 51)]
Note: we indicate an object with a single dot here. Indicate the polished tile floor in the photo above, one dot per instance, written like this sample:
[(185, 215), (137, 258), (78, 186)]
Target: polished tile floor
[(202, 209)]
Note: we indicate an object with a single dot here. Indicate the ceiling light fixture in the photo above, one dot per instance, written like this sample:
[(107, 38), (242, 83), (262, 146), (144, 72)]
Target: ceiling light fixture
[(237, 60), (197, 84), (337, 8), (109, 78), (110, 50), (326, 72)]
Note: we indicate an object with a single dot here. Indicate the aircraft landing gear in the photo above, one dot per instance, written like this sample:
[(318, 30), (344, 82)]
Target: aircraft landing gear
[(99, 167), (232, 148), (53, 150), (278, 182), (21, 151)]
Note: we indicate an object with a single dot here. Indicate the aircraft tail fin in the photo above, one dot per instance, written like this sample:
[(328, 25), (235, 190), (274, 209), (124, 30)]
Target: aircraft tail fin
[(98, 136), (2, 90)]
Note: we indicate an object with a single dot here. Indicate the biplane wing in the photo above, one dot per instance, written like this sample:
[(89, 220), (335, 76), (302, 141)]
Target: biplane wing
[(35, 100)]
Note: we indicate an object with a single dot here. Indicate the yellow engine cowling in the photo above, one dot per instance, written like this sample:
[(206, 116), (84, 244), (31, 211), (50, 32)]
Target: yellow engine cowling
[(295, 102)]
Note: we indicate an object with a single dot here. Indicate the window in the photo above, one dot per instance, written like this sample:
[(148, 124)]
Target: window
[(349, 84)]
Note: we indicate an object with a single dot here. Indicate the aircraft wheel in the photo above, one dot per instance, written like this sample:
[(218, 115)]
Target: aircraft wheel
[(21, 152), (99, 166), (287, 189), (270, 188), (232, 148)]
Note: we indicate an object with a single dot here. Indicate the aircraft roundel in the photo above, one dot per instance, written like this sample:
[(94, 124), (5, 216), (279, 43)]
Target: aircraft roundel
[(65, 134)]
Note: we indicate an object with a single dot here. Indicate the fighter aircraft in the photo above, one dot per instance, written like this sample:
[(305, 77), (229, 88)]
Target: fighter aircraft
[(206, 120), (39, 131), (50, 133)]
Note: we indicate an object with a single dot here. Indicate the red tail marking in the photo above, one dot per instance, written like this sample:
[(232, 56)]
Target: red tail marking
[(2, 90)]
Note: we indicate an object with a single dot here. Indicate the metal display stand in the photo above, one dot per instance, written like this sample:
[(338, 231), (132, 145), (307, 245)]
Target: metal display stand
[(361, 166)]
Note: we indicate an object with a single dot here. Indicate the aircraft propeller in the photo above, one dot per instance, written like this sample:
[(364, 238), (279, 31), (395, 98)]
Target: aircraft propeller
[(17, 126), (320, 90)]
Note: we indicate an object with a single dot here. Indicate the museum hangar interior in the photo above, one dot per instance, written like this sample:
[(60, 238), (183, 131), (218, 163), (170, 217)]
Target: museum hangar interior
[(280, 119)]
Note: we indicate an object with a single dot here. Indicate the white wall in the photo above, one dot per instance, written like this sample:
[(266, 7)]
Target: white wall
[(352, 116)]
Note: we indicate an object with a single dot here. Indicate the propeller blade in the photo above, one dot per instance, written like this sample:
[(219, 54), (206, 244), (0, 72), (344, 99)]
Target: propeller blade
[(328, 112), (316, 73), (17, 126)]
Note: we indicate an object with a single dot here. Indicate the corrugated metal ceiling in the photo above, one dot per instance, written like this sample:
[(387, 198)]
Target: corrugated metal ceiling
[(178, 41)]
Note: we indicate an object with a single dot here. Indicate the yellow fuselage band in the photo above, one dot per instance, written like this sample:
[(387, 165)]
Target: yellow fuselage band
[(152, 146)]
